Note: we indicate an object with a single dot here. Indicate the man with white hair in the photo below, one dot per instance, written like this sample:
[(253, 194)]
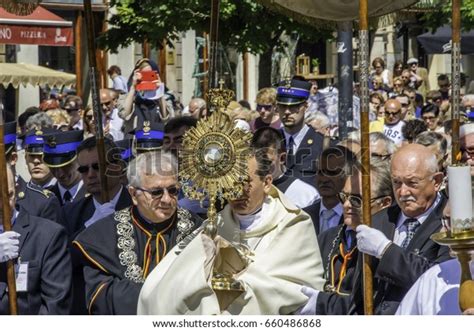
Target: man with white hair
[(466, 136), (319, 122), (121, 250)]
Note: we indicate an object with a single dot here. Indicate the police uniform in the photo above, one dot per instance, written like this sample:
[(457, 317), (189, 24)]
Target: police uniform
[(47, 267), (149, 137), (31, 198), (59, 151), (113, 282), (305, 146)]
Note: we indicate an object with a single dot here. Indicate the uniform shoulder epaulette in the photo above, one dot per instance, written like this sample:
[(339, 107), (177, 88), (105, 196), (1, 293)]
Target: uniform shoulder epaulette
[(47, 193)]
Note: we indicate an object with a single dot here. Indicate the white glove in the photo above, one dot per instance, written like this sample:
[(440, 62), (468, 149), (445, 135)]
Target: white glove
[(310, 307), (9, 245), (371, 241)]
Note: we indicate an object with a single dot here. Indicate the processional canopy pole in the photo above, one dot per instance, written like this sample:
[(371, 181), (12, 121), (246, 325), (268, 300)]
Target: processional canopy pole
[(460, 236), (365, 150)]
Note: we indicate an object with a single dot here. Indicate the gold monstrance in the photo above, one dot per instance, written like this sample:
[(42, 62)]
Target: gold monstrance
[(213, 164)]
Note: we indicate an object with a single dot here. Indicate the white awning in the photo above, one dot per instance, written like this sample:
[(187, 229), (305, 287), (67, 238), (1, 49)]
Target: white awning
[(24, 74)]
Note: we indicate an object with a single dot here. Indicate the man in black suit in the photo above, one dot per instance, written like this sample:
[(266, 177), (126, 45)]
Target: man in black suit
[(59, 154), (39, 247), (400, 240), (334, 167), (82, 213), (304, 145)]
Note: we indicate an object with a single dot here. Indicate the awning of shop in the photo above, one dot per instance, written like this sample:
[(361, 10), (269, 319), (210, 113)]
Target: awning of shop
[(439, 42), (24, 74), (41, 27)]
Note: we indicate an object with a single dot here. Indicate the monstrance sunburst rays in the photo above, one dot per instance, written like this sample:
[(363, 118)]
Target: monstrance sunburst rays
[(213, 162)]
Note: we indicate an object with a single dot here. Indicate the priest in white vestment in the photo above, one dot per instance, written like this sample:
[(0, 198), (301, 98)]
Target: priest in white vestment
[(281, 251), (436, 292)]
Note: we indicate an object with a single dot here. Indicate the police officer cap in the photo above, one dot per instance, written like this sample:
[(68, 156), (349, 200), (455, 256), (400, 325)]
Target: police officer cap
[(292, 92), (60, 147), (149, 136), (9, 136), (125, 147), (34, 141)]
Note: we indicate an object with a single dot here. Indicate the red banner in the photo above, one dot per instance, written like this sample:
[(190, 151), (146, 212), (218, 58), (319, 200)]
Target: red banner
[(36, 35)]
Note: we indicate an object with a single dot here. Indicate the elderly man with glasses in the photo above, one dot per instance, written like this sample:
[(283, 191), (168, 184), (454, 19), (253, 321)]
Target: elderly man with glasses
[(121, 250)]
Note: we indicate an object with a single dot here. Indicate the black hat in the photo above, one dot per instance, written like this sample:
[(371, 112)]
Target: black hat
[(9, 136), (34, 141), (60, 147), (292, 92), (126, 152), (149, 137)]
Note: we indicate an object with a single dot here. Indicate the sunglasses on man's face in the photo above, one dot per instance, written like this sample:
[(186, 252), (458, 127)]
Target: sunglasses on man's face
[(388, 114), (158, 192), (264, 107), (85, 168)]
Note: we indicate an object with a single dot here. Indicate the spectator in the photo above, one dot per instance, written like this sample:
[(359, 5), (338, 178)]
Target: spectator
[(421, 73), (61, 119), (393, 123), (73, 106), (266, 107), (197, 108), (30, 111), (397, 69), (380, 72), (430, 115), (320, 123), (119, 83), (466, 136), (412, 129)]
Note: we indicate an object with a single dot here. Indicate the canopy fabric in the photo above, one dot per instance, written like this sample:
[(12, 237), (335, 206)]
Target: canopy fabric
[(24, 74), (439, 42), (334, 10)]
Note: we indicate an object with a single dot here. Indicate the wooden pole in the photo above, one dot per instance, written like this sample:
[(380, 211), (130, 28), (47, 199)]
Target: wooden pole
[(6, 221), (205, 64), (456, 79), (96, 106), (214, 41), (163, 62), (246, 76), (365, 151), (78, 55)]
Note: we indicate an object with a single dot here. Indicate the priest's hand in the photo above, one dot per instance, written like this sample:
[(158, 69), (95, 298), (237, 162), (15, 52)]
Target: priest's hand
[(371, 241), (9, 245), (310, 307)]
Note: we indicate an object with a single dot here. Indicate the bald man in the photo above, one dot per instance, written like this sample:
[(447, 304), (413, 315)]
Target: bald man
[(466, 136), (399, 240), (393, 123), (111, 121)]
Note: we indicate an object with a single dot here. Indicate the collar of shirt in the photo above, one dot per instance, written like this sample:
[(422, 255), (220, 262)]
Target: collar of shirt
[(79, 125), (338, 209), (73, 190), (113, 201), (422, 217), (14, 216), (248, 222), (52, 182), (297, 137)]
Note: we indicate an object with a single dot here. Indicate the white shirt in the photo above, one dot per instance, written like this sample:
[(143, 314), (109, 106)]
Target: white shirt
[(394, 132), (248, 222), (302, 194), (297, 138), (436, 292), (103, 210), (73, 190), (401, 230), (333, 221)]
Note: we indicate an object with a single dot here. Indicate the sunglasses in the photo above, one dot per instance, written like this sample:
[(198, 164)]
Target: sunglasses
[(85, 168), (381, 156), (354, 200), (264, 107), (388, 114), (157, 193)]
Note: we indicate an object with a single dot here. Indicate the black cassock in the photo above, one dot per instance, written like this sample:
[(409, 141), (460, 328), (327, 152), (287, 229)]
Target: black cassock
[(121, 250)]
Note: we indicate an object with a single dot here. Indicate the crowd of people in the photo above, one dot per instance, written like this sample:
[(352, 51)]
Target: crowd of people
[(131, 242)]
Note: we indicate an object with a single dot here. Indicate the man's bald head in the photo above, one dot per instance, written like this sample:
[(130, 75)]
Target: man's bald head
[(415, 178), (105, 95), (393, 110)]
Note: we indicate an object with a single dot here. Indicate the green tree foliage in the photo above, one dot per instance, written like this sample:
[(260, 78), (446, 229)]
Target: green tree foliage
[(440, 12), (244, 24)]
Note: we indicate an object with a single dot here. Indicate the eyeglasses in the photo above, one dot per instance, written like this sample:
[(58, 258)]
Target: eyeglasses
[(443, 85), (264, 107), (404, 105), (414, 64), (330, 173), (468, 151), (158, 192), (399, 84), (429, 118), (388, 114), (354, 200), (381, 156), (85, 168)]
